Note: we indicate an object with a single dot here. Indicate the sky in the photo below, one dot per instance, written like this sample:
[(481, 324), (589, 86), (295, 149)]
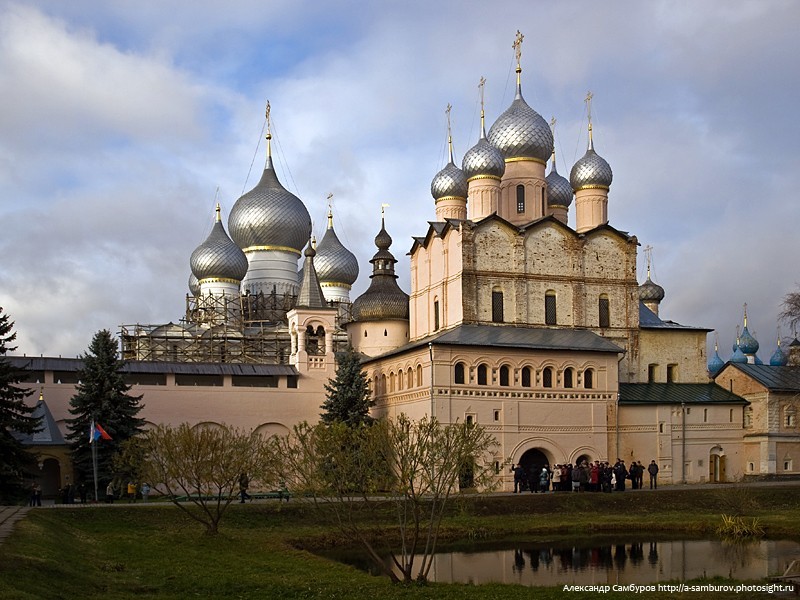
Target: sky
[(122, 124)]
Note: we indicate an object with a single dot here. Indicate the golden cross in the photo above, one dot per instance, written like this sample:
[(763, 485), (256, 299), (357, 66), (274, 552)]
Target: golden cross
[(517, 45), (588, 101), (481, 85)]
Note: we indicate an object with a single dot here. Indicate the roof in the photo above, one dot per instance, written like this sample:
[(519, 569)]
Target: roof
[(48, 435), (775, 379), (676, 393), (139, 366), (650, 320), (510, 336)]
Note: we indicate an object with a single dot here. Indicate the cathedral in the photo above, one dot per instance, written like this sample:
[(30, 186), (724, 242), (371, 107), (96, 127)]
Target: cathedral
[(516, 319)]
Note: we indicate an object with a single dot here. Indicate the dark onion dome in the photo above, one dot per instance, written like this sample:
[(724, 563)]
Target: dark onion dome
[(521, 132), (218, 257), (383, 299), (194, 285), (591, 170), (483, 160), (778, 358), (269, 217), (650, 291), (559, 191), (310, 294), (335, 263), (715, 364)]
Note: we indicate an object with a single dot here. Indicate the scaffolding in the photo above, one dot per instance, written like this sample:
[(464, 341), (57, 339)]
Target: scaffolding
[(248, 328)]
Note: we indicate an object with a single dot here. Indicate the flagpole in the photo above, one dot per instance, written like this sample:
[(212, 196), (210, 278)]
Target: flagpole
[(93, 444)]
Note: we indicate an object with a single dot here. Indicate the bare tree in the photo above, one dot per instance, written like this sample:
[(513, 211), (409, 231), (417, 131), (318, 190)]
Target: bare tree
[(199, 468), (791, 309), (412, 467)]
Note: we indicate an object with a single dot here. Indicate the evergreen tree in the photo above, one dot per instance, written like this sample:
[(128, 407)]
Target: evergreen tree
[(15, 416), (101, 396), (348, 397)]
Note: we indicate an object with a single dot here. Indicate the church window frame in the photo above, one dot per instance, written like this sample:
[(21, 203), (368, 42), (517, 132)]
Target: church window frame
[(436, 322), (497, 305), (483, 374), (550, 312), (520, 199), (789, 417), (569, 377), (547, 377), (525, 377), (419, 375), (504, 375), (588, 379), (459, 373), (604, 311), (672, 373), (652, 372)]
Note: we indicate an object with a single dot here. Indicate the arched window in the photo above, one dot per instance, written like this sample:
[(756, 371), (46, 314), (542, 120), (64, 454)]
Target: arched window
[(459, 373), (497, 306), (504, 375), (588, 379), (482, 370), (400, 382), (547, 377), (550, 308), (568, 378), (526, 377), (520, 199), (409, 378), (604, 311), (419, 375), (391, 382), (435, 314), (383, 384), (315, 340)]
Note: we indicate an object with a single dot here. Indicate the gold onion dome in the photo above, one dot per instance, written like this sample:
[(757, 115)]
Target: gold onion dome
[(269, 216), (335, 263), (218, 257), (383, 299), (559, 191)]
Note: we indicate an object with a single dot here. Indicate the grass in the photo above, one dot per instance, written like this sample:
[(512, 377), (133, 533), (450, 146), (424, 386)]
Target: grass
[(267, 550)]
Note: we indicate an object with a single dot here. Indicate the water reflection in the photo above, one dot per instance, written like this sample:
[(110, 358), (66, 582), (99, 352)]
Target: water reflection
[(613, 561)]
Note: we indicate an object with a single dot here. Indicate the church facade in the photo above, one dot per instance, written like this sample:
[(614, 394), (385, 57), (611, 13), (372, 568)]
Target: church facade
[(518, 320)]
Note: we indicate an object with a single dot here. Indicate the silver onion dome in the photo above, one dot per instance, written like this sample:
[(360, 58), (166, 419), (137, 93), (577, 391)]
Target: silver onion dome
[(270, 216), (450, 182), (591, 171), (521, 132), (218, 256), (383, 299), (650, 291), (483, 160), (335, 263), (194, 285), (559, 191)]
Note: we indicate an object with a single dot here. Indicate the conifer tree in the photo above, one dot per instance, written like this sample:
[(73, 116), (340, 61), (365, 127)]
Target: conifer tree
[(101, 396), (347, 399), (15, 416)]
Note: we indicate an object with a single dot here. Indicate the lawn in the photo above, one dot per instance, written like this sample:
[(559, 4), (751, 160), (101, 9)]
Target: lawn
[(266, 550)]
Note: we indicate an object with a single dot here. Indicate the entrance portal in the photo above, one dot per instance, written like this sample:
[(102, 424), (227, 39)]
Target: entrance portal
[(533, 461)]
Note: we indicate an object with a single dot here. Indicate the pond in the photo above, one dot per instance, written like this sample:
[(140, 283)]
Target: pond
[(601, 560)]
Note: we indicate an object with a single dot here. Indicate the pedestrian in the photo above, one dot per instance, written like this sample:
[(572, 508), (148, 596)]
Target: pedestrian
[(544, 480), (131, 491), (244, 483), (519, 477), (37, 494), (556, 478), (145, 491), (652, 468), (82, 492), (110, 493), (32, 496)]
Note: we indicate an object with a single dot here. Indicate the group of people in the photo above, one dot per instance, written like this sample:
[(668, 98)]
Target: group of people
[(584, 477)]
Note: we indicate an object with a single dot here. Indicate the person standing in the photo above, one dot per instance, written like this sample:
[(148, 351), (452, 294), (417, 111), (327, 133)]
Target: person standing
[(519, 477), (244, 483), (652, 468), (110, 493), (145, 492)]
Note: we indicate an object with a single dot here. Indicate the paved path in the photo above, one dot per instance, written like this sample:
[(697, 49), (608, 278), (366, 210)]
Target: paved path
[(9, 515)]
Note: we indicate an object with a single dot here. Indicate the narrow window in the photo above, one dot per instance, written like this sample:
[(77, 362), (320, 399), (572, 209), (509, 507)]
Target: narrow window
[(459, 374), (435, 315), (409, 378), (672, 373), (481, 374), (550, 308), (470, 419), (730, 416), (526, 377), (568, 378), (419, 375), (520, 199), (705, 415), (497, 415), (547, 377), (661, 427), (603, 309), (652, 371), (497, 307), (504, 375), (588, 379)]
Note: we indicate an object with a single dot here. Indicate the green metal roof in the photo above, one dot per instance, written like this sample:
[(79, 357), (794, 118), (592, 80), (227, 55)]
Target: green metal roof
[(775, 379), (676, 393)]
